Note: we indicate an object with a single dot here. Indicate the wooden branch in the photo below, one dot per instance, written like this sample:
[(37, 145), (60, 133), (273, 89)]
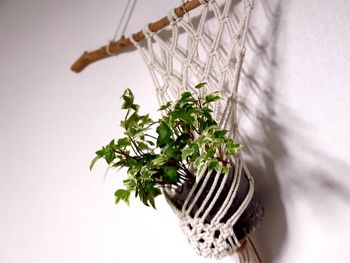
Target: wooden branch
[(117, 47)]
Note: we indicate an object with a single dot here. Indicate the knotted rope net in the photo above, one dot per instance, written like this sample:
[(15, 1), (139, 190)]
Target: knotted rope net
[(207, 47)]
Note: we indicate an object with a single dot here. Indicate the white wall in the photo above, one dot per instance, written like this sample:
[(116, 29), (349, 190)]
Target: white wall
[(296, 129)]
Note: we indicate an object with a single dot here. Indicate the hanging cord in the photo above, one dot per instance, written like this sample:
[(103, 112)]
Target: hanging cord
[(187, 13), (125, 19)]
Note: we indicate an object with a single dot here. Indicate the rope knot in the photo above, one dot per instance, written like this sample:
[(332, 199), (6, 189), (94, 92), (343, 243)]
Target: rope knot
[(249, 4), (204, 2), (173, 17)]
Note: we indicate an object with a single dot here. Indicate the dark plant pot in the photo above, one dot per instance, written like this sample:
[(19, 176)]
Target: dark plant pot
[(248, 220)]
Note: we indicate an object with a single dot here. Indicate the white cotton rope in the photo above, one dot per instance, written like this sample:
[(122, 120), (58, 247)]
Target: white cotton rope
[(123, 24), (216, 57)]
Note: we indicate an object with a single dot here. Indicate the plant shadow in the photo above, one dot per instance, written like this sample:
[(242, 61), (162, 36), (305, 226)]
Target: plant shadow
[(273, 127), (263, 153)]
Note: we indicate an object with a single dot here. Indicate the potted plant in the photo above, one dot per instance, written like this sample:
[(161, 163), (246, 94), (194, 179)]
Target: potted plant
[(183, 151)]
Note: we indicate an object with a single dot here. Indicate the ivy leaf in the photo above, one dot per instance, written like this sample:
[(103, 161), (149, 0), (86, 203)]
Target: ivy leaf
[(200, 170), (211, 98), (143, 146), (210, 153), (128, 98), (94, 161), (181, 140), (165, 106), (123, 195), (171, 152), (130, 184), (109, 156), (199, 161), (220, 133), (101, 152), (200, 85), (214, 165), (188, 151), (123, 142), (160, 160), (170, 175), (232, 147), (185, 95), (146, 173), (184, 115), (225, 169), (148, 193), (151, 200), (145, 119), (131, 121), (165, 134)]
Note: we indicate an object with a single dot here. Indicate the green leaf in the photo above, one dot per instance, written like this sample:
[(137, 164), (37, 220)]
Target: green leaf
[(131, 121), (200, 169), (143, 146), (101, 152), (146, 173), (123, 195), (151, 200), (214, 165), (181, 140), (160, 160), (134, 132), (109, 156), (123, 142), (220, 133), (165, 106), (171, 152), (224, 169), (200, 85), (185, 95), (128, 98), (184, 115), (188, 151), (94, 161), (130, 184), (232, 147), (147, 193), (210, 153), (211, 98), (164, 133), (145, 119), (170, 175), (199, 160)]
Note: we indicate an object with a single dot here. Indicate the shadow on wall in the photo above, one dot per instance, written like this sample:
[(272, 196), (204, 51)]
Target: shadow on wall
[(2, 2), (267, 148), (269, 151)]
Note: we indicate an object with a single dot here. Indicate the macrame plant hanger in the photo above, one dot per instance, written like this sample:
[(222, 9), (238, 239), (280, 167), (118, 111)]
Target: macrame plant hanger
[(215, 56)]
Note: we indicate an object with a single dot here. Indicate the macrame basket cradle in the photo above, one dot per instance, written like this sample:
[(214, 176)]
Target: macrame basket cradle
[(218, 211)]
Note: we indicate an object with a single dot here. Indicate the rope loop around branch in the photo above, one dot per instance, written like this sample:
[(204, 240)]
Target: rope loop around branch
[(249, 4), (173, 17), (204, 2), (147, 32)]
